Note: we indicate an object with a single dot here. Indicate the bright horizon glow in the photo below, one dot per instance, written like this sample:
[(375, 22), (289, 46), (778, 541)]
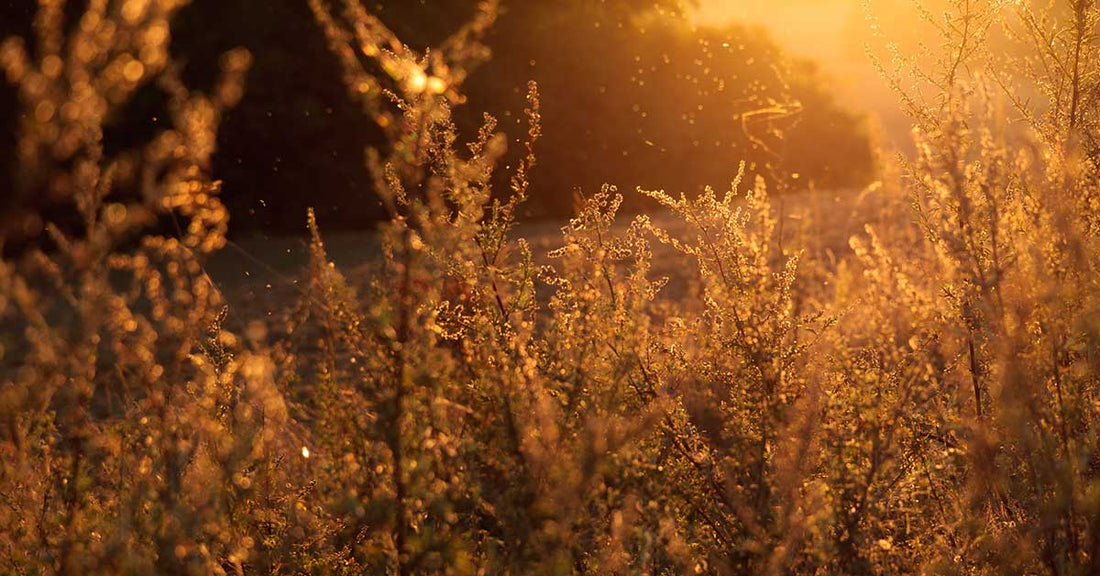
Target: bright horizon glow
[(816, 28), (832, 33)]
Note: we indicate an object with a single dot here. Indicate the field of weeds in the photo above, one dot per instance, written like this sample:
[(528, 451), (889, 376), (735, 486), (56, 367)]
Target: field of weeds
[(751, 379)]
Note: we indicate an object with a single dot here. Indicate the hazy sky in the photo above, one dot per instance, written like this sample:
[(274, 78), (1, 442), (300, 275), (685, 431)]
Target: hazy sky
[(821, 28), (834, 33)]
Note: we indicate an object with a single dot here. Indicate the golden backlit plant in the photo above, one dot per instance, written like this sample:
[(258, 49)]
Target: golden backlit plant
[(684, 392)]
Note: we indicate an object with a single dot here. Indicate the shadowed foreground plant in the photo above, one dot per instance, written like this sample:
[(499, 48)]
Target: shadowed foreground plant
[(136, 433)]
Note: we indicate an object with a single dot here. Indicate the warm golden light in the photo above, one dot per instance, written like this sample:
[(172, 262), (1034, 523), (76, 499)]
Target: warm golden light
[(837, 35), (840, 317)]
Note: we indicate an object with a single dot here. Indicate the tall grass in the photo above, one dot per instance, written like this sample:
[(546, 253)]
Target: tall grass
[(924, 403)]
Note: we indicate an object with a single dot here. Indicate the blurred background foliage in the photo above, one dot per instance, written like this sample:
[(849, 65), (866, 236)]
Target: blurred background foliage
[(633, 92)]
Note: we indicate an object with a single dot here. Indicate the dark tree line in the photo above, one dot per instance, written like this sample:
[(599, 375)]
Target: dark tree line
[(632, 93)]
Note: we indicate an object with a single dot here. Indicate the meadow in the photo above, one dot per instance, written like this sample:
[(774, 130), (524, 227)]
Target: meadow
[(758, 378)]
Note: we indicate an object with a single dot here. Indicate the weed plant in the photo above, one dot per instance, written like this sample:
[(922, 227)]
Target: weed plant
[(925, 403)]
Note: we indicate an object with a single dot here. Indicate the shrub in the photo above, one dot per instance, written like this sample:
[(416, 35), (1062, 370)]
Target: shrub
[(922, 403)]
